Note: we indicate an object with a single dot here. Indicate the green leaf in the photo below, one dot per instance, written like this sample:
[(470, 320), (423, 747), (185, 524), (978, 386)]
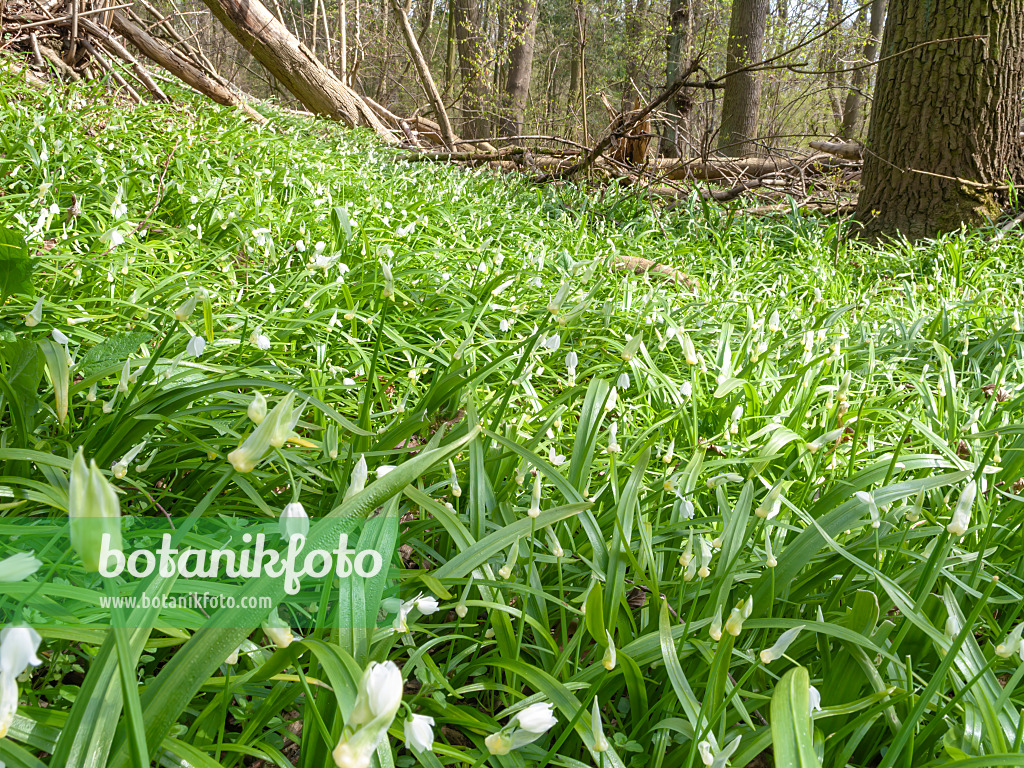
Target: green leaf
[(112, 351), (792, 738), (15, 264)]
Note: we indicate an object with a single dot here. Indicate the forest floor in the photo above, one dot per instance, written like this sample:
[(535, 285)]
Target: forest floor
[(831, 430)]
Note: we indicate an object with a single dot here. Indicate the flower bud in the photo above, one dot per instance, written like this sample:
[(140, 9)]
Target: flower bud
[(768, 655), (556, 302), (632, 346), (94, 511), (277, 631), (609, 652), (35, 315), (181, 314), (535, 497), (257, 410), (961, 519), (357, 482), (293, 521)]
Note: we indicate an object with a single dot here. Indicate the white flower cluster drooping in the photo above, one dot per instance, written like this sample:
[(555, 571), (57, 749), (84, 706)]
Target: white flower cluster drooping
[(377, 702), (525, 728), (425, 605)]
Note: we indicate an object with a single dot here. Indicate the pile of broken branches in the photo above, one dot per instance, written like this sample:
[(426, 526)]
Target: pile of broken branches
[(87, 40)]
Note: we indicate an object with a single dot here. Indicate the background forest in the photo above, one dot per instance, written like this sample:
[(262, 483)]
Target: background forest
[(508, 67)]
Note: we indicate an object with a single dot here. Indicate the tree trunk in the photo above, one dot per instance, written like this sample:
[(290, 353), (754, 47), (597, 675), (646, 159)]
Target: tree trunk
[(677, 41), (851, 109), (178, 66), (402, 17), (741, 100), (472, 68), (520, 67), (266, 38), (945, 122)]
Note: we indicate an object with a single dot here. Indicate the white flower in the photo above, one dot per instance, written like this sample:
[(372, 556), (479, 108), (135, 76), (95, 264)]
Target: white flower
[(59, 337), (553, 342), (1012, 644), (18, 567), (279, 633), (379, 695), (112, 237), (537, 718), (503, 326), (623, 381), (293, 521), (195, 346), (556, 303), (18, 649), (259, 340), (813, 700), (419, 733), (768, 655), (377, 701), (182, 313), (300, 246), (426, 605)]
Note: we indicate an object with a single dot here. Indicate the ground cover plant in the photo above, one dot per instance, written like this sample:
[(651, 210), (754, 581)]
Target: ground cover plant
[(772, 518)]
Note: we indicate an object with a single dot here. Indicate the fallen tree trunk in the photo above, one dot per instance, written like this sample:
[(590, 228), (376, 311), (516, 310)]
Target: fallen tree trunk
[(294, 65), (184, 70), (843, 149)]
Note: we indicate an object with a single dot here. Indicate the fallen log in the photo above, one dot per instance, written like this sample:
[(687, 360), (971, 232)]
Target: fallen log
[(296, 68), (181, 68), (641, 266), (845, 150)]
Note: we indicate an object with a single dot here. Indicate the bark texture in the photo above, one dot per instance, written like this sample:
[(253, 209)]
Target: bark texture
[(741, 99), (945, 122), (520, 66), (287, 59)]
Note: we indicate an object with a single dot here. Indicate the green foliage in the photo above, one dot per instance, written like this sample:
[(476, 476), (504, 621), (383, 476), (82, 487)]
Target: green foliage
[(811, 458)]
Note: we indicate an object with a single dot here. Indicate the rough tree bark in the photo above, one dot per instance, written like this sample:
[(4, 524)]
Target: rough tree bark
[(851, 109), (287, 59), (945, 122), (472, 68), (742, 96), (523, 32)]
